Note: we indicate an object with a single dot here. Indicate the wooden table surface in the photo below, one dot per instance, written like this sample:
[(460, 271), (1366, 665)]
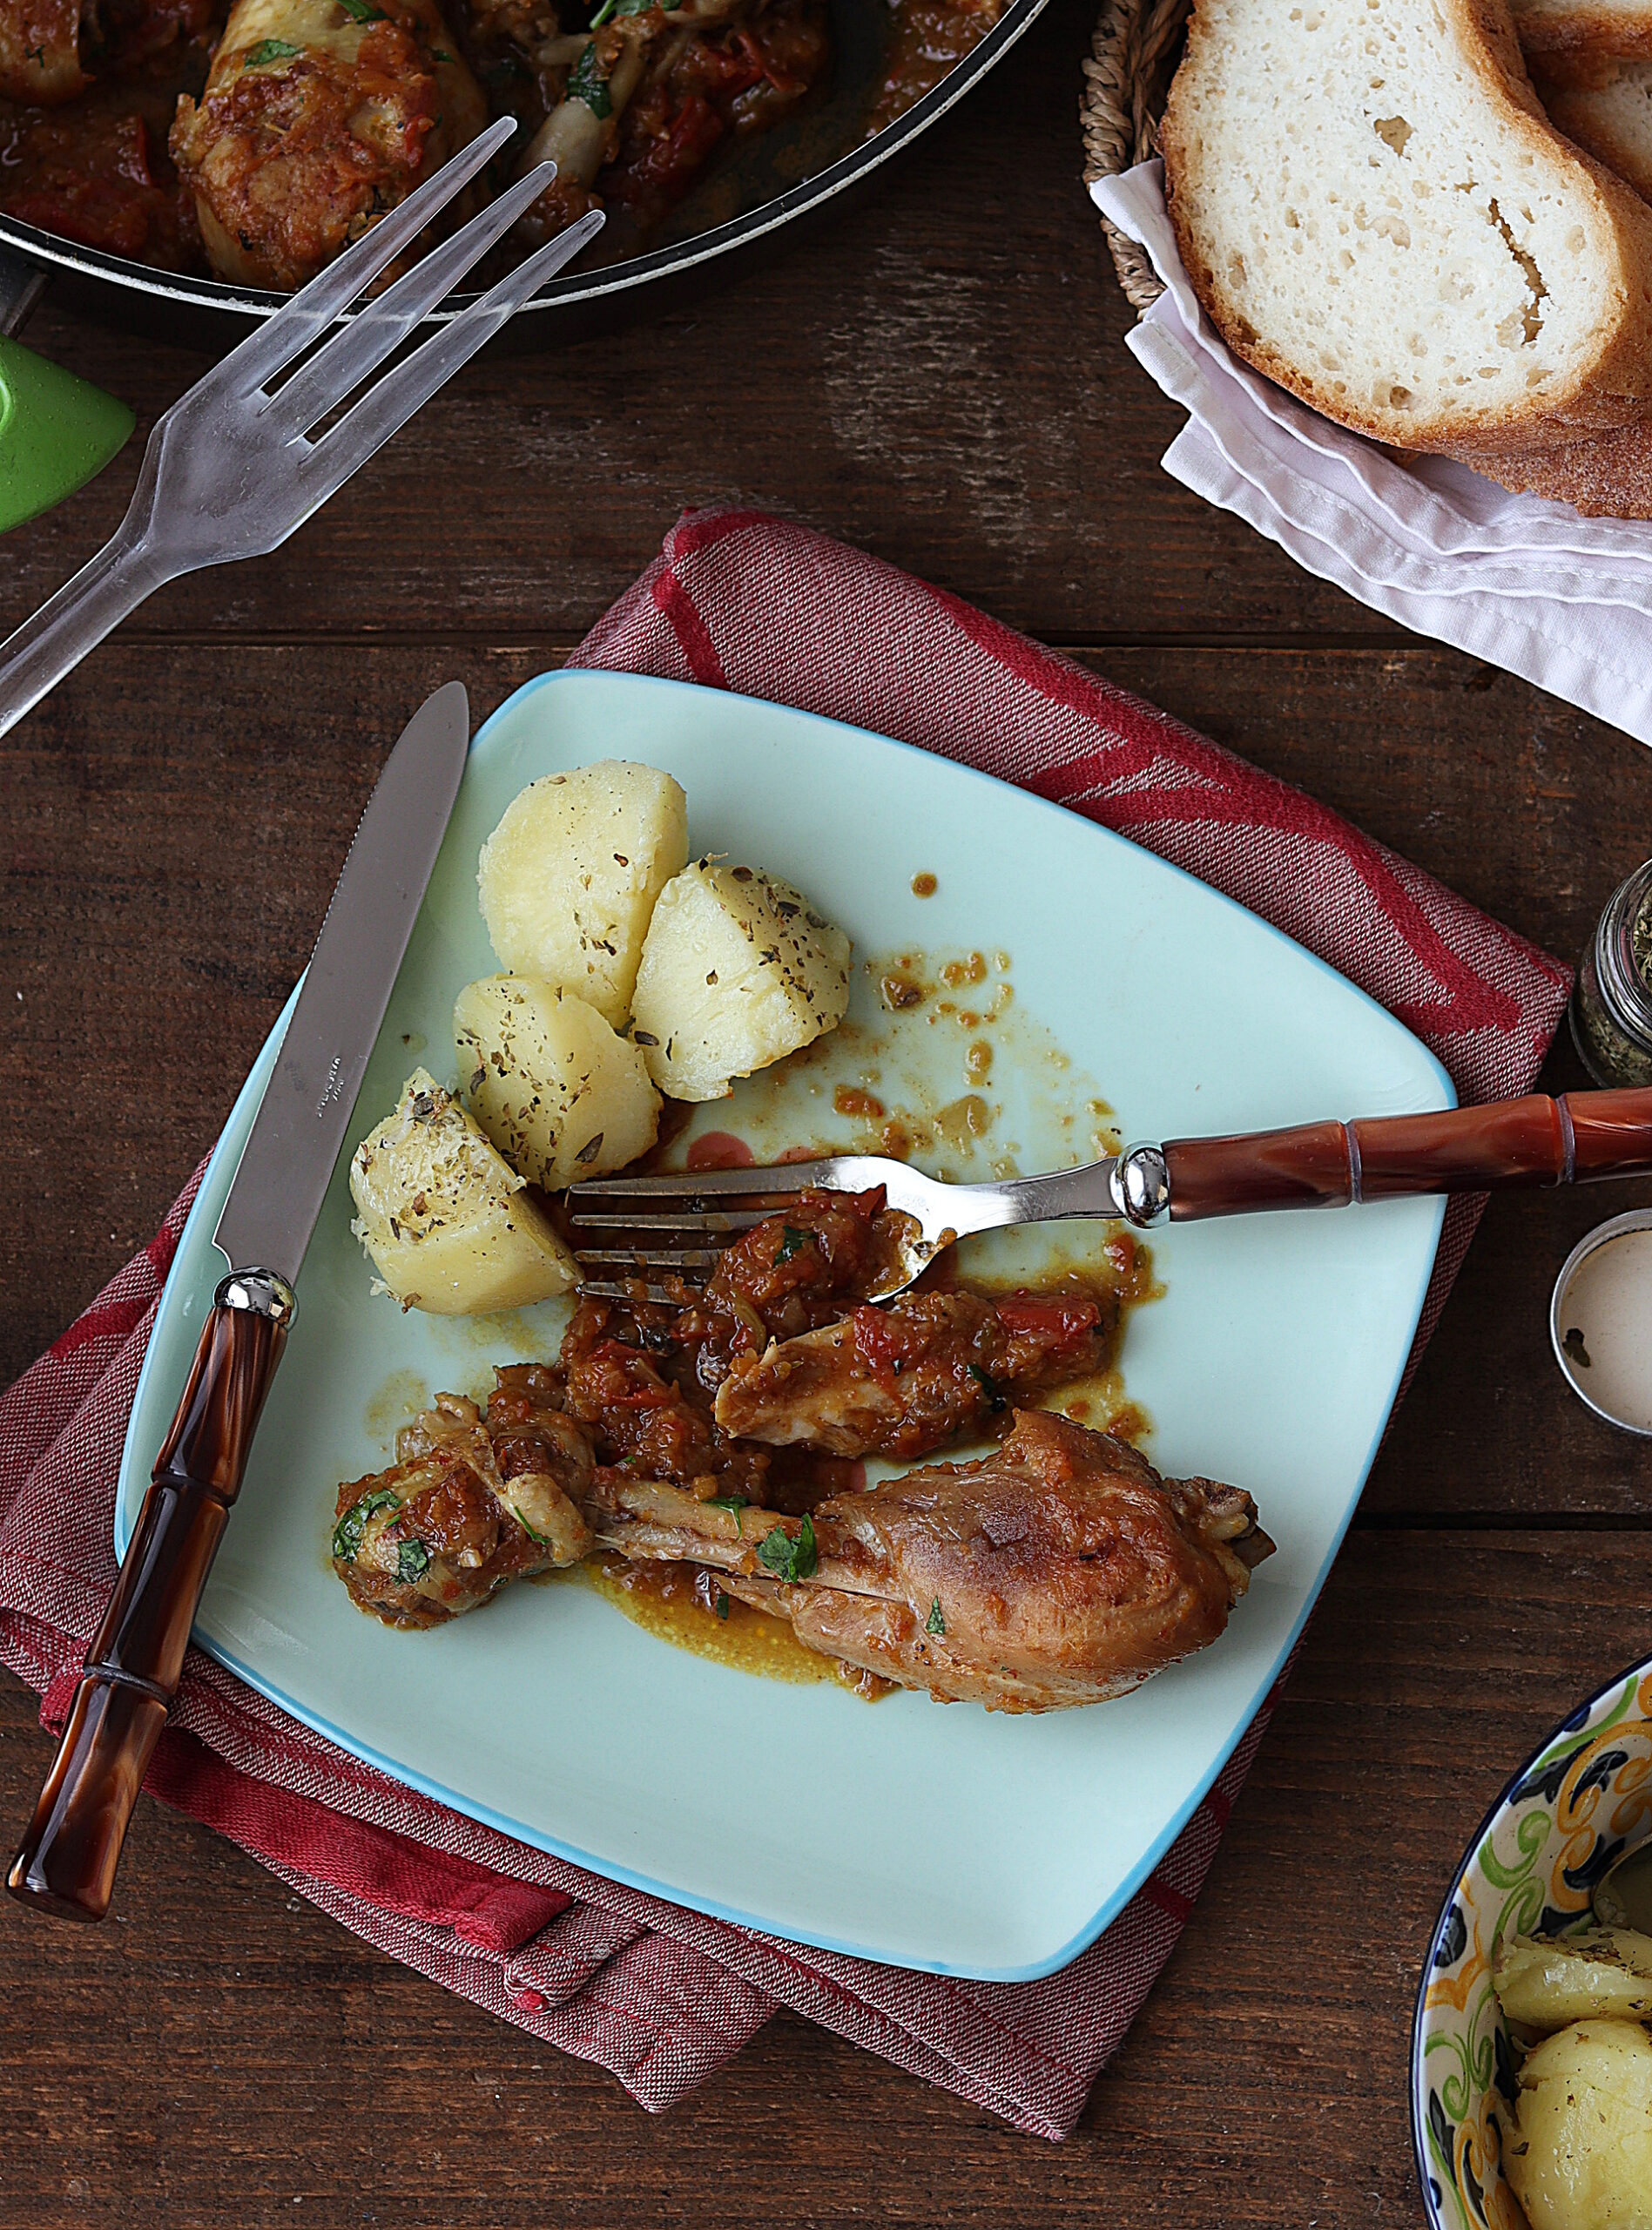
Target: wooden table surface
[(939, 377)]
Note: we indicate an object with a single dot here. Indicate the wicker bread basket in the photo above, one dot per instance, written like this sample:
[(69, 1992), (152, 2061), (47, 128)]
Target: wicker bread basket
[(1133, 58)]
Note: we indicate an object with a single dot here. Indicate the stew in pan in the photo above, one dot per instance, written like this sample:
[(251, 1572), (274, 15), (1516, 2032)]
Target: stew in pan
[(255, 144)]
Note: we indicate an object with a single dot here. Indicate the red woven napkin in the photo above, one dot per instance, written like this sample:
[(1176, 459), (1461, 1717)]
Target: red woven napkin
[(662, 1996)]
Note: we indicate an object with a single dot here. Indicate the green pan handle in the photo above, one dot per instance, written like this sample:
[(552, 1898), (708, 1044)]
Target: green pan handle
[(57, 432)]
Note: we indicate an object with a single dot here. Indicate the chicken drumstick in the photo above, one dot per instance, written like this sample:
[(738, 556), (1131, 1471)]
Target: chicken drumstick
[(1059, 1570)]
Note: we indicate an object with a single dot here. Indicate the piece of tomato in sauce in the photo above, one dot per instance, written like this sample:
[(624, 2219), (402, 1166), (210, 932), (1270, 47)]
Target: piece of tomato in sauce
[(719, 1150), (1053, 1318)]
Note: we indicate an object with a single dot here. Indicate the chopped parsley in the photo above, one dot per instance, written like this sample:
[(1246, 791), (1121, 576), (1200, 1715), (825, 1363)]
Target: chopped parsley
[(274, 50), (722, 1604), (346, 1534), (788, 1559), (586, 83), (412, 1559), (793, 1241), (362, 11), (733, 1503), (934, 1624)]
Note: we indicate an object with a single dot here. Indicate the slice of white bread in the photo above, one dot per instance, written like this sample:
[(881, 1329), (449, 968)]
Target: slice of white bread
[(1613, 120), (1567, 41), (1375, 211)]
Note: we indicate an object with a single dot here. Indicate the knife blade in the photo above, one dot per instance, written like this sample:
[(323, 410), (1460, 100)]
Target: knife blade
[(67, 1861), (288, 1159)]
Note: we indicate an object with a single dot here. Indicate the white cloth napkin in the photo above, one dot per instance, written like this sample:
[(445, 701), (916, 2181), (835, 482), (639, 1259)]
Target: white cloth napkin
[(1526, 584)]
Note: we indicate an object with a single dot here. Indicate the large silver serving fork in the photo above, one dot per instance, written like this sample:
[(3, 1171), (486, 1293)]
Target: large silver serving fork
[(231, 469)]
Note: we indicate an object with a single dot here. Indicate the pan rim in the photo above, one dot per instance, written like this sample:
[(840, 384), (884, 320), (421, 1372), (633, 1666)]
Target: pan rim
[(49, 249)]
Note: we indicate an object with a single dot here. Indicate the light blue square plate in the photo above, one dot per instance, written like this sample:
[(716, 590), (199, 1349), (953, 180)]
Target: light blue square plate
[(945, 1838)]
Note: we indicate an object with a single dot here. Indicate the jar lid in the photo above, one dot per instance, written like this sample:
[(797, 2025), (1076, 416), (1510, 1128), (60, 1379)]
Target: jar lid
[(1600, 1321)]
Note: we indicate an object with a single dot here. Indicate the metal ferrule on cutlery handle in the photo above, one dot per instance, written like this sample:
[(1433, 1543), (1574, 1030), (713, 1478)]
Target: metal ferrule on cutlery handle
[(1510, 1142), (69, 1856)]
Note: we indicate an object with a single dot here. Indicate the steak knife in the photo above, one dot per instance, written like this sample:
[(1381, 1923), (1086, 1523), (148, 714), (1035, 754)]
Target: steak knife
[(69, 1856)]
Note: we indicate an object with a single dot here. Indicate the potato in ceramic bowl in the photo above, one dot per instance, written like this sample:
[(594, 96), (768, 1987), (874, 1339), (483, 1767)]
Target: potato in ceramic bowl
[(1579, 1798)]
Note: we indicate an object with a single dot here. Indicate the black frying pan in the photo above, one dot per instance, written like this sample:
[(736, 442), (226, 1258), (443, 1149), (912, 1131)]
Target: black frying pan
[(762, 183)]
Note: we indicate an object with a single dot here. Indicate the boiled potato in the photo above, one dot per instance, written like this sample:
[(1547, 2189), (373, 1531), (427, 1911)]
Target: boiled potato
[(558, 1092), (1604, 1974), (447, 1223), (738, 971), (569, 877), (1580, 2157)]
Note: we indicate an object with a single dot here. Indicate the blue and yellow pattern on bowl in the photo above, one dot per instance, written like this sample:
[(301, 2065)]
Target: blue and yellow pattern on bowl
[(1577, 1804)]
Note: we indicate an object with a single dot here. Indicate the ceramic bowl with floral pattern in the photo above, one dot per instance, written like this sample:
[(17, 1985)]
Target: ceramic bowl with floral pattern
[(1577, 1804)]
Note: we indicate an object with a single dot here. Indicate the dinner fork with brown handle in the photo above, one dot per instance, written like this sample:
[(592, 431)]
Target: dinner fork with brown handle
[(236, 466), (669, 1231)]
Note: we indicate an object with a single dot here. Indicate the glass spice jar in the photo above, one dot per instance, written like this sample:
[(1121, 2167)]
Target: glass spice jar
[(1611, 1007)]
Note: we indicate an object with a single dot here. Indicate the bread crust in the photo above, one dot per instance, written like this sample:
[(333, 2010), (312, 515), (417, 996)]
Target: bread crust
[(1579, 114), (1585, 70), (1610, 389), (1573, 48), (1609, 477)]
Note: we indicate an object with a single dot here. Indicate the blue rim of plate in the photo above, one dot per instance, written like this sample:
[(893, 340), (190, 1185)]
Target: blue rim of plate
[(631, 1877), (1636, 1670)]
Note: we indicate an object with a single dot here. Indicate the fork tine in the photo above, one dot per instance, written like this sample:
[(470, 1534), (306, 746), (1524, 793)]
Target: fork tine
[(314, 307), (383, 324), (758, 1184), (708, 1219), (386, 408), (601, 1289), (651, 1257)]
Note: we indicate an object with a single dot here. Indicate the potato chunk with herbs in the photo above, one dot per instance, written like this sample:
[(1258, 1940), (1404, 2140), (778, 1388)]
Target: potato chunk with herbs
[(447, 1222), (559, 1093), (738, 971), (569, 878), (1545, 1982), (1579, 2156)]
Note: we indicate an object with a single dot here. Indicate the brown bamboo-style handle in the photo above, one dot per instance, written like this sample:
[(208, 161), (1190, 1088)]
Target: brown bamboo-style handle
[(68, 1859), (1536, 1140)]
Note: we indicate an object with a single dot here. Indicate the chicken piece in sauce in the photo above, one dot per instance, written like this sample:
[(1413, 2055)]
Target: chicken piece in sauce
[(315, 122), (643, 1377), (1059, 1570), (903, 1379), (470, 1503)]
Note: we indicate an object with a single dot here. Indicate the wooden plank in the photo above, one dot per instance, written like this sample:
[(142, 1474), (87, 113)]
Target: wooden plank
[(219, 2054), (937, 374)]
